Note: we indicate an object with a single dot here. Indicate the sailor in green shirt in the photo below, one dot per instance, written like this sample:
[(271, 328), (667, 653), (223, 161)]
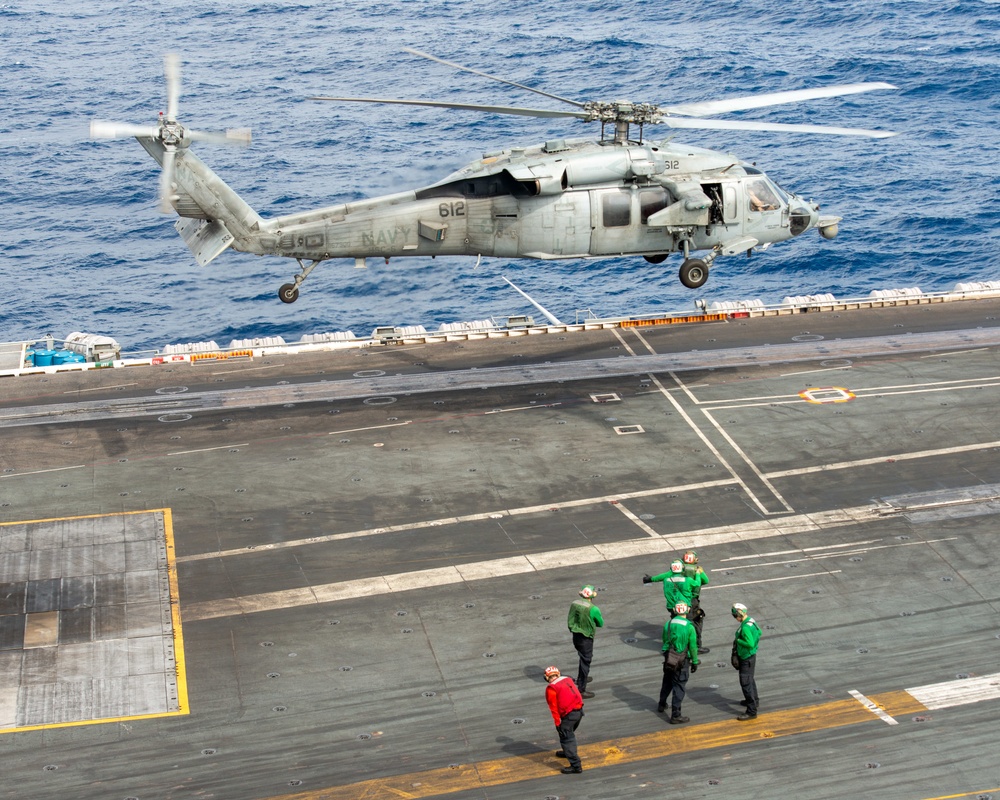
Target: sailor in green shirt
[(679, 637), (745, 651), (693, 570), (677, 587), (584, 619)]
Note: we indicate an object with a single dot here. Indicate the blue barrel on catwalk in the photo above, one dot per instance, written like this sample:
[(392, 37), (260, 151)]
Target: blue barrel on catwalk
[(67, 357), (43, 358), (29, 358)]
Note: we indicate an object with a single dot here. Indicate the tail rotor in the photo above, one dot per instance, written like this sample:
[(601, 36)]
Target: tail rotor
[(171, 135)]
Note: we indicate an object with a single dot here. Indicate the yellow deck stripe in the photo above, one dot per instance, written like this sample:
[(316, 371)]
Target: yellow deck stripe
[(668, 742), (175, 614)]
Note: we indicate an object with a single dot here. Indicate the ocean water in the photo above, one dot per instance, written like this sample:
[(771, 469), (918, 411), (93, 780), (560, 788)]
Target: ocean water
[(83, 247)]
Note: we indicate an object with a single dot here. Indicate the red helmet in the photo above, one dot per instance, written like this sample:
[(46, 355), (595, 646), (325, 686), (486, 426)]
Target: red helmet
[(690, 557)]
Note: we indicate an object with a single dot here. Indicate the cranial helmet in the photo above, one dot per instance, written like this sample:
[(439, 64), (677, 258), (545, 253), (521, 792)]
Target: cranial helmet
[(681, 608), (739, 608), (690, 557), (677, 565), (552, 672), (588, 592)]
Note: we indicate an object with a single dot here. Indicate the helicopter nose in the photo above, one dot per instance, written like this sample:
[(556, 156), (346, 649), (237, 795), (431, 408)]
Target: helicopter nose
[(828, 227)]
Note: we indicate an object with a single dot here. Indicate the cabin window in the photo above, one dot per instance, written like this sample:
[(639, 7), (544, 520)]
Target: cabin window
[(729, 206), (651, 201), (617, 209)]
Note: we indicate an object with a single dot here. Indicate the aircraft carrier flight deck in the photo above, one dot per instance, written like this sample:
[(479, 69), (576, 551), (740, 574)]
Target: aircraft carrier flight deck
[(340, 574)]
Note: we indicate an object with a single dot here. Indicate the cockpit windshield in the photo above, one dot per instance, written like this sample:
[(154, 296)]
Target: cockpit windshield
[(763, 195)]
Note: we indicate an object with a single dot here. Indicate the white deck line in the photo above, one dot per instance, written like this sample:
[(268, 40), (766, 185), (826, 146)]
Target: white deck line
[(959, 692), (873, 707)]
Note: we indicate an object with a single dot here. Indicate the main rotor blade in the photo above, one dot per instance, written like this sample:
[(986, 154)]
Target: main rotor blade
[(121, 130), (747, 125), (712, 107), (520, 112), (172, 71), (491, 77), (240, 136)]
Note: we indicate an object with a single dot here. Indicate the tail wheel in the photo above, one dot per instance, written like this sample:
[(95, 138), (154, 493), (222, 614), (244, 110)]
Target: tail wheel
[(694, 273), (288, 293)]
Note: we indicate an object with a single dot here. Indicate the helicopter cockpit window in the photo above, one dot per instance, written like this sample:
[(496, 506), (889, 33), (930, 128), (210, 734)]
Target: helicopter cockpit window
[(651, 201), (617, 209), (761, 196)]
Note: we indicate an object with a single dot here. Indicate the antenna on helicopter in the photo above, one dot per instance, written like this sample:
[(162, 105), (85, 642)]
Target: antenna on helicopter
[(171, 135)]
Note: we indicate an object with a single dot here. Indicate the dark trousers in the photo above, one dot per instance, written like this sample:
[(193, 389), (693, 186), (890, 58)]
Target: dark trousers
[(567, 735), (674, 680), (585, 647), (748, 684), (697, 617)]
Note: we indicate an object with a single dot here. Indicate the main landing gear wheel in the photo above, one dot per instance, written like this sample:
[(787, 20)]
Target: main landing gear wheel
[(288, 293), (694, 273)]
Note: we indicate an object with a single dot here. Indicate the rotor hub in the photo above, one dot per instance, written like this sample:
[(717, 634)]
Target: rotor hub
[(171, 132), (623, 111)]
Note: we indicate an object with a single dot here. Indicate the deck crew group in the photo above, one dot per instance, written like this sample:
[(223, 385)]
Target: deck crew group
[(681, 646)]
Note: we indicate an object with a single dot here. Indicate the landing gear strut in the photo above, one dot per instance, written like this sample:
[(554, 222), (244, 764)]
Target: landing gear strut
[(289, 292)]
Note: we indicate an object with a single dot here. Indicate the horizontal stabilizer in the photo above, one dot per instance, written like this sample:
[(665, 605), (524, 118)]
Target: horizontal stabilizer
[(205, 238)]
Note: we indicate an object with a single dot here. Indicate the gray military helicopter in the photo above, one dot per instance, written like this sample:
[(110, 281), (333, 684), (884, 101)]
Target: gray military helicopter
[(566, 198)]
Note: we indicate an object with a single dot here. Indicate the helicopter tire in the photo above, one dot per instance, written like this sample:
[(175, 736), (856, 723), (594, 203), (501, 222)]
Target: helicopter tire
[(694, 273), (657, 259), (288, 293)]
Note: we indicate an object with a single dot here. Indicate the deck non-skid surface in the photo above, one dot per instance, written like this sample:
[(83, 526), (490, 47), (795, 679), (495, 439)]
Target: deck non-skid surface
[(88, 629)]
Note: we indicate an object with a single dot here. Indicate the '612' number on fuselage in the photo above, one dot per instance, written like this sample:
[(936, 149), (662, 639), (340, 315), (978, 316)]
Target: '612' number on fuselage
[(456, 209)]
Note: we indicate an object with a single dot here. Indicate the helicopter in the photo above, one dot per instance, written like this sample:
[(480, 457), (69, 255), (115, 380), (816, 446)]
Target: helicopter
[(565, 198)]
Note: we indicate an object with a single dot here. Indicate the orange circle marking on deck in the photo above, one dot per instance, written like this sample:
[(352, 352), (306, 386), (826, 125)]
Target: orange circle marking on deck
[(827, 394)]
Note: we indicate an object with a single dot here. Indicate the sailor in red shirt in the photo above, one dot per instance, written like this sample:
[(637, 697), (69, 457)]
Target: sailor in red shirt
[(566, 706)]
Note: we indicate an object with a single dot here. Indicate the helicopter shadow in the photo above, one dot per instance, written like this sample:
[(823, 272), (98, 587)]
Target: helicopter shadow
[(644, 636), (707, 696)]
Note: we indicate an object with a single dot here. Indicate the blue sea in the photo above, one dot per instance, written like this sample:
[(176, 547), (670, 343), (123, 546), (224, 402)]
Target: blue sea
[(83, 247)]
